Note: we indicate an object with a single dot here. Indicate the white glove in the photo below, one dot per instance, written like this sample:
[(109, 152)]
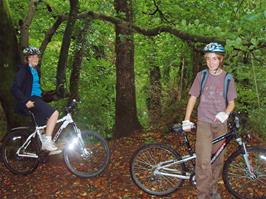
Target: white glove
[(187, 125), (221, 116)]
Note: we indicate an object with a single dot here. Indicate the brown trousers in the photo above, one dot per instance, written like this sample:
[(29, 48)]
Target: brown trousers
[(207, 175)]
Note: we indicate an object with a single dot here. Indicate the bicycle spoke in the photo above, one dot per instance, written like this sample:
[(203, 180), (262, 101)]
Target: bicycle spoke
[(145, 164), (24, 162), (238, 179), (89, 158)]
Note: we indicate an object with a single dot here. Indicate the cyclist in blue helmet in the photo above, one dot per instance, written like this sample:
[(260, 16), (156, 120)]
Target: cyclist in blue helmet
[(213, 111), (28, 93)]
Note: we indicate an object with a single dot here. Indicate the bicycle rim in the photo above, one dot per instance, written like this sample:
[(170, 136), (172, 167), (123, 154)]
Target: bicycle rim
[(236, 175), (91, 160), (144, 163), (15, 163)]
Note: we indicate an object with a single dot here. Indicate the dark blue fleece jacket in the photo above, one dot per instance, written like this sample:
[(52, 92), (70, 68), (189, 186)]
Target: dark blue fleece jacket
[(22, 87)]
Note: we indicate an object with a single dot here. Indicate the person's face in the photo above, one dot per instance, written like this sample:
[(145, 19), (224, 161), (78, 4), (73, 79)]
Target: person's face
[(213, 61), (33, 60)]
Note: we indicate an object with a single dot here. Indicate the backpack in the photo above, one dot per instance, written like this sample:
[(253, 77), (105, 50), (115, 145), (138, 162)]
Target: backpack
[(204, 76)]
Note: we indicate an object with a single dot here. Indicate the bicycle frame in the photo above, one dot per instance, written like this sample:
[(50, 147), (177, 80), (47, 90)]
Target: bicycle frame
[(67, 119), (226, 138)]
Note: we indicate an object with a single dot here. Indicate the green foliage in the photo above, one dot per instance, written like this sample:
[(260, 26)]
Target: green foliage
[(240, 23), (257, 121), (165, 52), (97, 96)]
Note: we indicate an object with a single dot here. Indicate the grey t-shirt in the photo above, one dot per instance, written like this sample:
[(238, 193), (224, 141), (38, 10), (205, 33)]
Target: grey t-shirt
[(212, 100)]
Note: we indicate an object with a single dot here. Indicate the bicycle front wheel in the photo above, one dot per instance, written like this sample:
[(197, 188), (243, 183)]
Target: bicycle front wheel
[(152, 169), (237, 178), (87, 159), (24, 162)]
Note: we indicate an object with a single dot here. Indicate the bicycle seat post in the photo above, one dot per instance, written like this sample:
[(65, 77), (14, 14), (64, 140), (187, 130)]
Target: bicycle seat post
[(33, 119)]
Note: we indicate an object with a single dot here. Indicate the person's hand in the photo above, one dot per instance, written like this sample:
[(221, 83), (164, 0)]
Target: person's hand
[(187, 125), (221, 116), (30, 104)]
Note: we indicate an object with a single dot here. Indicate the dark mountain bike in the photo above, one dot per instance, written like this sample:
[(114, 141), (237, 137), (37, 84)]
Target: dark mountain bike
[(86, 153), (158, 169)]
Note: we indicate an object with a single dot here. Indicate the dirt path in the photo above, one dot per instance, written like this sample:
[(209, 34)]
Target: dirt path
[(53, 180)]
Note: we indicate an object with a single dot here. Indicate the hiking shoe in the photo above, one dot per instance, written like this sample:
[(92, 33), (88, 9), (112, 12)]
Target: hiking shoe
[(49, 145), (216, 196)]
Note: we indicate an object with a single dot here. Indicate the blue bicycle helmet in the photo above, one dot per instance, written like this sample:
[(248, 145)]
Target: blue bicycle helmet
[(214, 48), (31, 51)]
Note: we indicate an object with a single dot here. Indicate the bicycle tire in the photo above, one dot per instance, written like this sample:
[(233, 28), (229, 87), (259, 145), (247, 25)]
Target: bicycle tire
[(91, 164), (143, 165), (236, 178), (14, 163)]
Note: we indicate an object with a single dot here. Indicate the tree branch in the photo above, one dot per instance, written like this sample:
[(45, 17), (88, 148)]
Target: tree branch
[(49, 34), (151, 32), (24, 26), (148, 32)]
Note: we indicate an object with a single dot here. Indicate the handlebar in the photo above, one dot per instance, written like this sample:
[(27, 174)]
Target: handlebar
[(177, 128)]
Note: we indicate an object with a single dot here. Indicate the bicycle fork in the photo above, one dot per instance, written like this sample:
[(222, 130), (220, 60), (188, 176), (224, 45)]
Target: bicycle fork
[(78, 141), (250, 168)]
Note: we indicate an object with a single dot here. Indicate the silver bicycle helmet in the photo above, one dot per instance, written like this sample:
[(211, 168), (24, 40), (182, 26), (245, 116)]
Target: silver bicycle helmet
[(214, 48), (31, 51)]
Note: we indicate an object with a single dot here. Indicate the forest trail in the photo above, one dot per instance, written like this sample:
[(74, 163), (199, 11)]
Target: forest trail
[(53, 180)]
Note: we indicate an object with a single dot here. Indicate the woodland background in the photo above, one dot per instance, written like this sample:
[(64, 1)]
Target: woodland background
[(132, 62)]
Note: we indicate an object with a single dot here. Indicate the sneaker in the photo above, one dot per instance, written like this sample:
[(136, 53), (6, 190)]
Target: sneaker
[(49, 145), (216, 196), (58, 151), (42, 138)]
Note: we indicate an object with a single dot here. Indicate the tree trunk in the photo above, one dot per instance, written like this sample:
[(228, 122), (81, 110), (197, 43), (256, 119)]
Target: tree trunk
[(181, 79), (61, 68), (8, 64), (25, 26), (126, 121), (76, 66), (197, 61), (154, 100)]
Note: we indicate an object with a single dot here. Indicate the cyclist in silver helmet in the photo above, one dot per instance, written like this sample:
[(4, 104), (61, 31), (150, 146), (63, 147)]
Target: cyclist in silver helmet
[(213, 111), (28, 93)]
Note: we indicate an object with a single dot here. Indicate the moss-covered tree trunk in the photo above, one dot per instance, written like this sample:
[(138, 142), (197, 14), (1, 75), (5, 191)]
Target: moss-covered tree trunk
[(126, 121), (61, 68), (9, 57), (78, 57)]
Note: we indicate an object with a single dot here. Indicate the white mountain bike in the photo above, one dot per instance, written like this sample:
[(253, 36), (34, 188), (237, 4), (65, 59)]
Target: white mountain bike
[(86, 153)]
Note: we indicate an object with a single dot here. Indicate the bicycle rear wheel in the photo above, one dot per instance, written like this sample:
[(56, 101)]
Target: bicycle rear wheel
[(236, 175), (144, 164), (89, 160), (15, 163)]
